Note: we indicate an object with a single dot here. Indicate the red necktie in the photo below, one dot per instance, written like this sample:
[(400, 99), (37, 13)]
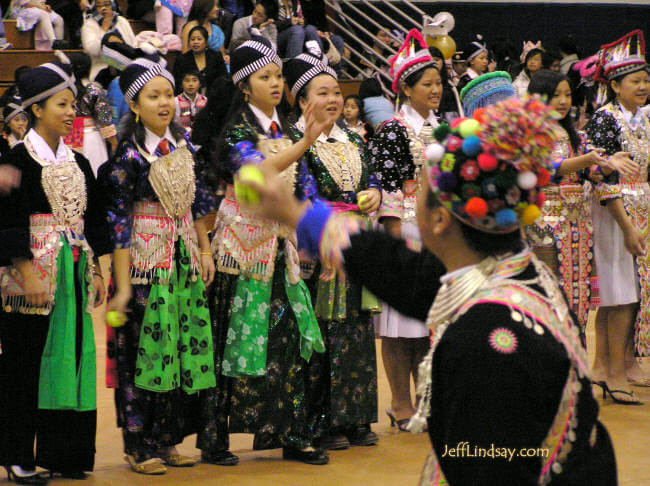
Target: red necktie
[(163, 147), (274, 130)]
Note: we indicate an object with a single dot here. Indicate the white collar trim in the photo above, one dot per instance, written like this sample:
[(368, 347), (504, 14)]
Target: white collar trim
[(151, 140), (263, 119), (415, 119), (44, 151)]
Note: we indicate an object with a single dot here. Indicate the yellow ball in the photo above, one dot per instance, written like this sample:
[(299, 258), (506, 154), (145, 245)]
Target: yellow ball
[(468, 128), (115, 318), (530, 214), (243, 192), (361, 200)]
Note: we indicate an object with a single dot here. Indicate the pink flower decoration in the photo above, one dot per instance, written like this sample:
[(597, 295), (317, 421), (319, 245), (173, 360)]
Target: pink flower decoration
[(454, 143), (470, 171), (503, 340)]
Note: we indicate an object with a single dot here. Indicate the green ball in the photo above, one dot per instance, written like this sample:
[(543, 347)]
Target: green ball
[(115, 318), (243, 192), (468, 128), (441, 131)]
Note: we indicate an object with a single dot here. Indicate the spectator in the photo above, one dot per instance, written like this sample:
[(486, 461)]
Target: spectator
[(476, 53), (261, 19), (450, 107), (12, 91), (353, 117), (16, 125), (314, 14), (458, 67), (531, 60), (551, 60), (376, 106), (103, 19), (170, 13), (73, 13), (380, 51), (209, 64), (204, 13), (568, 52), (49, 24), (190, 101), (292, 30), (225, 21)]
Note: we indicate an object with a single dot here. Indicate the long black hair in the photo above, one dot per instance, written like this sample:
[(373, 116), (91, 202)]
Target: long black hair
[(200, 10), (544, 83)]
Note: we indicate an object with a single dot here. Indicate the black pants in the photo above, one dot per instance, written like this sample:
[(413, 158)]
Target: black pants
[(73, 18)]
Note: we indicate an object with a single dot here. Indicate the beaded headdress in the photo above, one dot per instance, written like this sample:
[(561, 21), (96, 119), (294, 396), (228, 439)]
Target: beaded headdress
[(529, 46), (486, 90), (411, 57), (488, 170), (621, 57), (475, 47)]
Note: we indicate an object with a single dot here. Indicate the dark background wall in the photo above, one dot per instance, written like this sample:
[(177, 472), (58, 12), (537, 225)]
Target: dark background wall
[(591, 24)]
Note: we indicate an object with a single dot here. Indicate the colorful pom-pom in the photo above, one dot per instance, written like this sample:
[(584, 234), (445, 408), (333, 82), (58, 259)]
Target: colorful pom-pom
[(448, 162), (454, 143), (541, 199), (434, 153), (457, 122), (447, 182), (472, 146), (469, 191), (543, 178), (506, 218), (468, 128), (505, 178), (470, 171), (530, 214), (489, 188), (441, 131), (476, 208), (478, 114), (526, 180), (487, 162)]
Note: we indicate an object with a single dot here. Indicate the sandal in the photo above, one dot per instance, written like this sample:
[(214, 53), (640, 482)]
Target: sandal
[(630, 394), (174, 459), (154, 466), (400, 424), (644, 382)]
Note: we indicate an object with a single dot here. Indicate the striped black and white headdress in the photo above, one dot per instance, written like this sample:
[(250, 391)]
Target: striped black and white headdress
[(46, 80), (300, 70), (11, 109), (252, 56), (140, 72)]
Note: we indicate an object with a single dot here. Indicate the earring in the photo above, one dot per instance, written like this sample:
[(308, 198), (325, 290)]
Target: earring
[(246, 97), (137, 118)]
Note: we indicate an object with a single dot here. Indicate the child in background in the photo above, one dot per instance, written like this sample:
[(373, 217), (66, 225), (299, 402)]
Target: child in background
[(352, 117), (16, 124), (190, 101)]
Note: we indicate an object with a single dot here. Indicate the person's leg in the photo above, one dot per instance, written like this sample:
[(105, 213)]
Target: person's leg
[(311, 34), (179, 22), (44, 32), (620, 320), (395, 353), (295, 42), (337, 40), (164, 20), (601, 360), (58, 25), (633, 369)]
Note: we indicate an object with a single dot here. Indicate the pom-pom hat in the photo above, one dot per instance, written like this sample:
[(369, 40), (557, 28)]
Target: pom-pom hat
[(486, 90), (252, 56), (300, 70), (411, 57), (492, 180), (621, 57), (44, 81), (140, 72)]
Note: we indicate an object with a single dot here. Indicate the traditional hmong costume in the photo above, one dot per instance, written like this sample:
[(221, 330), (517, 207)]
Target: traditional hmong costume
[(338, 162), (623, 278), (562, 237), (469, 52), (163, 353), (56, 218), (506, 388), (486, 90), (263, 323), (9, 112), (397, 155)]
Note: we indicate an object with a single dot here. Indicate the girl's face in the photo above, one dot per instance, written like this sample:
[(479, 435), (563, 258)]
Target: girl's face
[(198, 43), (534, 64), (326, 91), (351, 110), (265, 87), (479, 63), (55, 117), (18, 125), (215, 10), (438, 62), (155, 105), (259, 14), (383, 36), (561, 101), (426, 93), (104, 7), (632, 90)]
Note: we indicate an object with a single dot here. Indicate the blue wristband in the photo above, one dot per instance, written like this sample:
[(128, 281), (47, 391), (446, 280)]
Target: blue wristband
[(311, 226)]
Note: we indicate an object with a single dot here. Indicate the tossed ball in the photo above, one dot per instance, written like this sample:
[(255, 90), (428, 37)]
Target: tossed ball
[(530, 214), (434, 153), (243, 192), (115, 318), (362, 201)]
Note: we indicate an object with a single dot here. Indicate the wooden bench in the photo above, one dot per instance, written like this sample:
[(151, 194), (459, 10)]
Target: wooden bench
[(18, 38)]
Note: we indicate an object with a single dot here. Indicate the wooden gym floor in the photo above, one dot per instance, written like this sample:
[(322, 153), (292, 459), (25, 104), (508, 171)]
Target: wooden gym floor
[(395, 461)]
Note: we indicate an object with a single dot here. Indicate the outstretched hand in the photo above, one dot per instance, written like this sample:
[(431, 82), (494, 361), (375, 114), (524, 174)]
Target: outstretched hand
[(313, 126), (622, 163)]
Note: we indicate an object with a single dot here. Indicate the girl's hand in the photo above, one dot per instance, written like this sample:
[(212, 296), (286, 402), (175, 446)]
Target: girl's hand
[(622, 163), (9, 178), (327, 274), (634, 241), (35, 291), (100, 290), (371, 201), (120, 300), (314, 127), (596, 157), (207, 268)]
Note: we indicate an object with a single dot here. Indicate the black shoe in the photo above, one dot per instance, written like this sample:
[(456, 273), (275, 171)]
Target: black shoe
[(317, 457), (60, 44), (70, 474), (221, 458), (334, 442), (33, 479), (361, 435)]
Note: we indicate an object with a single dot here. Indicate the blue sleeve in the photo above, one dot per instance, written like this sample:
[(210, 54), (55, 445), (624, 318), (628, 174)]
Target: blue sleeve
[(311, 226)]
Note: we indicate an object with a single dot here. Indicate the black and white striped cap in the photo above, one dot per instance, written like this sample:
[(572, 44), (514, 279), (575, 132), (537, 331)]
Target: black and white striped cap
[(140, 72), (300, 70), (252, 56)]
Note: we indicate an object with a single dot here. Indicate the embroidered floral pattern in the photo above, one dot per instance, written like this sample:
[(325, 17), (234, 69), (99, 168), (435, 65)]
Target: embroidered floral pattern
[(503, 340)]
